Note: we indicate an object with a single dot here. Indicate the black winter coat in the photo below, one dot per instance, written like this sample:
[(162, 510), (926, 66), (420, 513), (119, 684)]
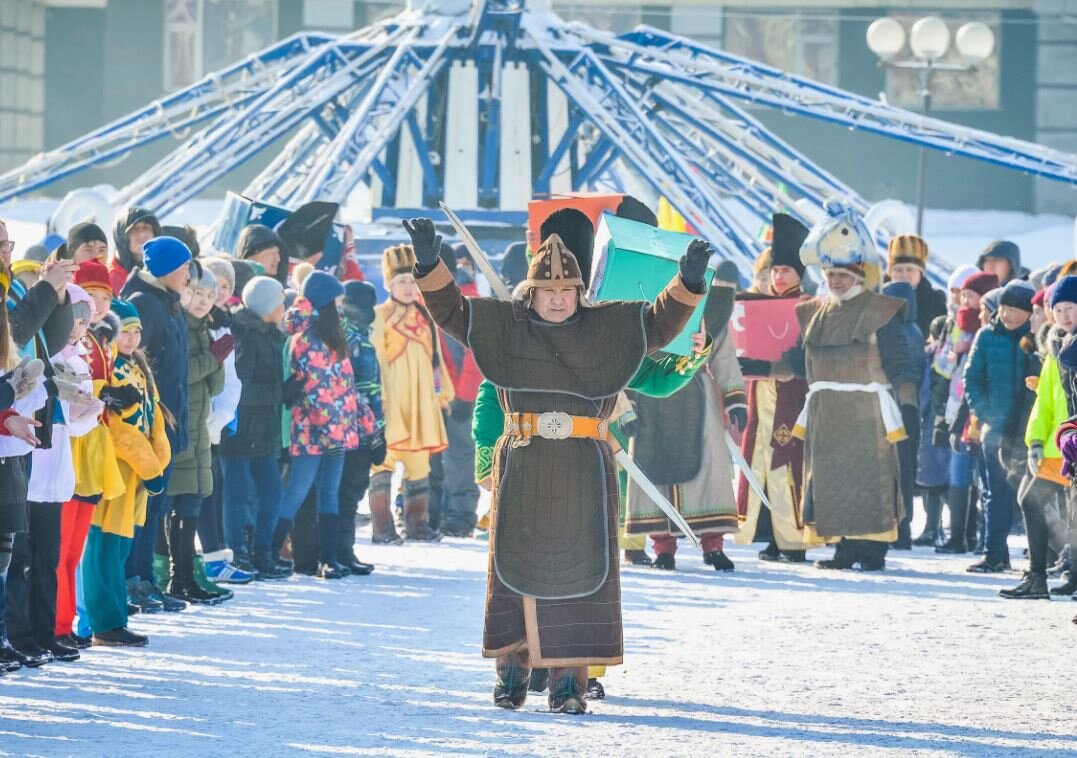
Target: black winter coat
[(260, 366), (164, 341), (930, 304)]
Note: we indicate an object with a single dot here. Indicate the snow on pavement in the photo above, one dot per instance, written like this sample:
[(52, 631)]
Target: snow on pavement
[(923, 659)]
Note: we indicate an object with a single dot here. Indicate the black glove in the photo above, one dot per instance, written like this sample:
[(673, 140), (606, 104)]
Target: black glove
[(377, 453), (424, 240), (118, 398), (291, 391), (754, 367), (460, 410), (940, 435), (738, 418), (693, 264)]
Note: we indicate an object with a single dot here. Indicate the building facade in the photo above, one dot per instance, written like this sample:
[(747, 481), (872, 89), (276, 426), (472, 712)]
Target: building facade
[(68, 66)]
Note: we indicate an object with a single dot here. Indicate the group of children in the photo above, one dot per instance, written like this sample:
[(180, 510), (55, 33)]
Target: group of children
[(159, 400)]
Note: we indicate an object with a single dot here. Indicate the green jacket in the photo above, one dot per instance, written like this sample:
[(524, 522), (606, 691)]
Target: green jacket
[(656, 377), (1050, 410), (192, 471)]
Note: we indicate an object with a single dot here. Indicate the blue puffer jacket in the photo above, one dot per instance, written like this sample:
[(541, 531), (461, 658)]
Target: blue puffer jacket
[(995, 376)]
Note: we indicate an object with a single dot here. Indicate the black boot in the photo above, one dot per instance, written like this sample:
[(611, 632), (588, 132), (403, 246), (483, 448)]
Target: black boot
[(872, 555), (510, 690), (959, 512), (346, 548), (181, 583), (638, 558), (9, 658), (990, 565), (975, 535), (845, 557), (595, 690), (62, 652), (719, 560), (1032, 587), (665, 561), (1069, 587), (770, 553), (268, 568), (540, 680), (565, 696), (328, 568), (793, 556), (933, 508), (122, 637)]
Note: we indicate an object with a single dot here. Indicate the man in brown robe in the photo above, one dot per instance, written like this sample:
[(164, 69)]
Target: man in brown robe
[(553, 594)]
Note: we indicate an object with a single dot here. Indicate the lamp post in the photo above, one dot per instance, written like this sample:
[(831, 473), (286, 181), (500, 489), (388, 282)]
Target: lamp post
[(929, 42)]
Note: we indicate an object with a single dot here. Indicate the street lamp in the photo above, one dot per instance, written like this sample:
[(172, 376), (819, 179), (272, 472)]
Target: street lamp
[(929, 41)]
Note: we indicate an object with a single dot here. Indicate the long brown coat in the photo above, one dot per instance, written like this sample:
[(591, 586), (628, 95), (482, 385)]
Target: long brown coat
[(553, 586)]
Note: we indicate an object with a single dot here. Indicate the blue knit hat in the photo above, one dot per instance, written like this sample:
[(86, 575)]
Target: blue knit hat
[(1065, 291), (321, 289), (128, 315), (163, 255)]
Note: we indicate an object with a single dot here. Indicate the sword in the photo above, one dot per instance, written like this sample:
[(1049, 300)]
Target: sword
[(622, 457), (734, 451)]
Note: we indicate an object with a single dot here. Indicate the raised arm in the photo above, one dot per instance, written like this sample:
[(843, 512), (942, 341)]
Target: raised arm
[(669, 314)]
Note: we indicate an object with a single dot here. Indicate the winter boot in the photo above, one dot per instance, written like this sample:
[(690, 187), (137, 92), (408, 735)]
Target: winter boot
[(933, 508), (990, 565), (416, 501), (181, 583), (346, 549), (793, 556), (595, 690), (9, 659), (565, 696), (1069, 587), (845, 557), (540, 680), (1032, 587), (382, 529), (770, 553), (975, 533), (62, 652), (959, 512), (719, 560), (122, 637), (638, 558), (161, 571), (665, 562), (510, 690), (138, 597), (268, 568), (328, 568), (871, 555), (206, 583)]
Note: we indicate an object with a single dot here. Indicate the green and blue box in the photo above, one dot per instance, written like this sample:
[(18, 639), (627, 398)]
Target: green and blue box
[(634, 261)]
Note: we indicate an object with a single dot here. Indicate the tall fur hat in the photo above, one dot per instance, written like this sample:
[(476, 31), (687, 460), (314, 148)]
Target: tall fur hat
[(397, 260), (788, 236), (907, 248)]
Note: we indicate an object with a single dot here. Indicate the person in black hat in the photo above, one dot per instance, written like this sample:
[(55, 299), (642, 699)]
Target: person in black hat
[(85, 242), (134, 228)]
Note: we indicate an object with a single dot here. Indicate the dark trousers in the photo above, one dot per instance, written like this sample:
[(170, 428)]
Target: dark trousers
[(7, 544), (436, 497), (461, 493), (252, 495), (907, 450), (1036, 496), (999, 505), (31, 581), (211, 517)]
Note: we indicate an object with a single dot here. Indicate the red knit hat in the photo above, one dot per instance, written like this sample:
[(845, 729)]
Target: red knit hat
[(981, 283), (91, 275), (1039, 297)]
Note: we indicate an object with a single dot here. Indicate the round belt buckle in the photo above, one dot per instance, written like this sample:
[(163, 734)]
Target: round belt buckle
[(555, 425)]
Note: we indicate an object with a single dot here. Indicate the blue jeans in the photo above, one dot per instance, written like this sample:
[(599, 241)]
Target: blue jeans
[(961, 469), (999, 505), (242, 477), (323, 472)]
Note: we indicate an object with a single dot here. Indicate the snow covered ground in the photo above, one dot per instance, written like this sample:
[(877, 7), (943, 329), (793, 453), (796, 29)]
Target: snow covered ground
[(923, 659)]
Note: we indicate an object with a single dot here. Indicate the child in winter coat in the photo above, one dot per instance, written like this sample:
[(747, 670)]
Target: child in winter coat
[(250, 458), (137, 424), (1044, 480), (31, 611), (217, 559), (327, 419), (191, 479), (995, 385), (97, 474), (413, 399), (22, 394)]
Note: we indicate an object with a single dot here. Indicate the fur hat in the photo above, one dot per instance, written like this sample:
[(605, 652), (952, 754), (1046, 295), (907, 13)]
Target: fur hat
[(634, 210), (764, 262), (576, 232), (396, 261), (554, 265), (908, 248), (786, 240)]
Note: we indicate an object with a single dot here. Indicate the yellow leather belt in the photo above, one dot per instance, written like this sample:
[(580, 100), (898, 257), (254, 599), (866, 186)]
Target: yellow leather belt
[(521, 427)]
